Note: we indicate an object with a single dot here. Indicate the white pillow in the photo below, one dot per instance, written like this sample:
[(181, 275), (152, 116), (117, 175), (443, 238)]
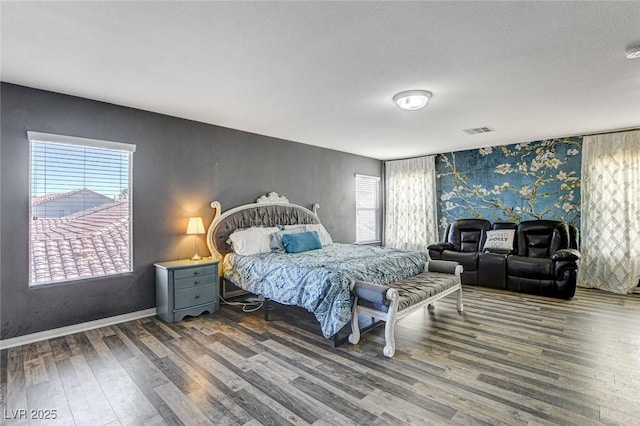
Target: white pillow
[(254, 240), (325, 237), (500, 239)]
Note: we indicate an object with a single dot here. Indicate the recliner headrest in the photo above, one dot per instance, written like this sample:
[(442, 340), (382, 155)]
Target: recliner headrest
[(468, 235), (542, 238)]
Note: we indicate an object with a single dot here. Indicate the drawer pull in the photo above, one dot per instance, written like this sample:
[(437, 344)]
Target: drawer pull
[(196, 282), (197, 296), (196, 273)]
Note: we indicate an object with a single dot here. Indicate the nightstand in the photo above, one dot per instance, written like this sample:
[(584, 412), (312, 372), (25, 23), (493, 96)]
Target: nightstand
[(186, 287)]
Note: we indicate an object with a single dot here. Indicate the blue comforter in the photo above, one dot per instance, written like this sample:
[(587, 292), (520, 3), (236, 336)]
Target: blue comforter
[(318, 280)]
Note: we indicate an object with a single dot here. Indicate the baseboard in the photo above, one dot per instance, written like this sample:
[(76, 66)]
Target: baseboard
[(76, 328)]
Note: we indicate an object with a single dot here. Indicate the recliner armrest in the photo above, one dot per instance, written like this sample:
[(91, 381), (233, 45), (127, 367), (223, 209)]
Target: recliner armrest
[(441, 247), (566, 254), (498, 251)]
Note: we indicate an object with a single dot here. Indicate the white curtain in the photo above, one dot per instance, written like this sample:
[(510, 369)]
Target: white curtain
[(610, 221), (410, 203)]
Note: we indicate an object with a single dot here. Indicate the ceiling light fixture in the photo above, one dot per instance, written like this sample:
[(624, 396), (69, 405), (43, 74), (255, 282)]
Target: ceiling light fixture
[(412, 100), (633, 52)]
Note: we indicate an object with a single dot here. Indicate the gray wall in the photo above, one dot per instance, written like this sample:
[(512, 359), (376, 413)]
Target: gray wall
[(179, 167)]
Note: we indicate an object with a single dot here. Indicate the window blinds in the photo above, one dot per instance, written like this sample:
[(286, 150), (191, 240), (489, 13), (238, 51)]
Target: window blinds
[(368, 229), (80, 208)]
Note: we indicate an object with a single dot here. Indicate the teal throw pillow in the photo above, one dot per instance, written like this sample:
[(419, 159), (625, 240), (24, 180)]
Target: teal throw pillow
[(303, 241)]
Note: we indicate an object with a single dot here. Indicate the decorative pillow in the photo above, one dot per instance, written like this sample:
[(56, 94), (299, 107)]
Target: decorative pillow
[(325, 237), (276, 237), (303, 241), (252, 241), (500, 240)]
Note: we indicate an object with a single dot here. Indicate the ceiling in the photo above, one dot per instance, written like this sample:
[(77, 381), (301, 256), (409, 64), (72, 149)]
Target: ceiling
[(324, 73)]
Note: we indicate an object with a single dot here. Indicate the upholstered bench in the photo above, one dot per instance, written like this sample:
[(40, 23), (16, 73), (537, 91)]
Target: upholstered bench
[(398, 299)]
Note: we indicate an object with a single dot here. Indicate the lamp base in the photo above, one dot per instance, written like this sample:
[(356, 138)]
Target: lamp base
[(196, 257)]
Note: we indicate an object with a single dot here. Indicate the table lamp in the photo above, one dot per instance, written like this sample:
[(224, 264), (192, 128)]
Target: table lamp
[(195, 228)]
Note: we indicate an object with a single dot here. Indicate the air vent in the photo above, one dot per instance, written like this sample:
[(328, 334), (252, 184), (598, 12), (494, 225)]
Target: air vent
[(477, 130)]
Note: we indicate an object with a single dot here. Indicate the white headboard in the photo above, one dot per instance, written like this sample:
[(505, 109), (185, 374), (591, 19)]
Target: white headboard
[(268, 210)]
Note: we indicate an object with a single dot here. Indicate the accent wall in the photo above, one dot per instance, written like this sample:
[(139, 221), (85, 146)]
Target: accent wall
[(511, 183)]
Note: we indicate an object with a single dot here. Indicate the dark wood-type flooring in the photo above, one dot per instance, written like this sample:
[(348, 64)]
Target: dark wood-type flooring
[(508, 359)]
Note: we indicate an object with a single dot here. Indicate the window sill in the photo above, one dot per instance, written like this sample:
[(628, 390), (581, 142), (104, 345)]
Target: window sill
[(368, 243)]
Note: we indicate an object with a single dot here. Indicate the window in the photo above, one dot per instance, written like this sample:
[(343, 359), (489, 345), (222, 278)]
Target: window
[(367, 209), (80, 208)]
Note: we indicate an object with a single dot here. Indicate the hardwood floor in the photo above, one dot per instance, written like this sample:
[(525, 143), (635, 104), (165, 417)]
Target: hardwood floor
[(508, 359)]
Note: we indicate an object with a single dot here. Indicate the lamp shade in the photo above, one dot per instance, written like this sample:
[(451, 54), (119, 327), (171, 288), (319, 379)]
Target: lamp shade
[(412, 100), (195, 226)]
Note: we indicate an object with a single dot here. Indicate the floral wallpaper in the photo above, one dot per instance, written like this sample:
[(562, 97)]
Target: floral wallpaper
[(511, 183)]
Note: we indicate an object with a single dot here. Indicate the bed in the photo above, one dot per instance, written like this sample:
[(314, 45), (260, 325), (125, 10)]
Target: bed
[(317, 280)]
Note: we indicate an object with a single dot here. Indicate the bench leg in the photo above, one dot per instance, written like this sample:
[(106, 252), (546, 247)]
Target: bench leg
[(389, 337), (459, 304), (354, 337)]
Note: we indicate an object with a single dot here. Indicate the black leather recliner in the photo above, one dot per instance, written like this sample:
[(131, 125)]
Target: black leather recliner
[(463, 241), (544, 262)]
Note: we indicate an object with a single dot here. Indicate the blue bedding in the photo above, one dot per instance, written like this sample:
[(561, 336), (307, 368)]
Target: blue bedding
[(318, 280)]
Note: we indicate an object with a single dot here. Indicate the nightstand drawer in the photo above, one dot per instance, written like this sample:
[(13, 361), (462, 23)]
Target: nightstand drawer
[(195, 272), (198, 281), (187, 298)]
